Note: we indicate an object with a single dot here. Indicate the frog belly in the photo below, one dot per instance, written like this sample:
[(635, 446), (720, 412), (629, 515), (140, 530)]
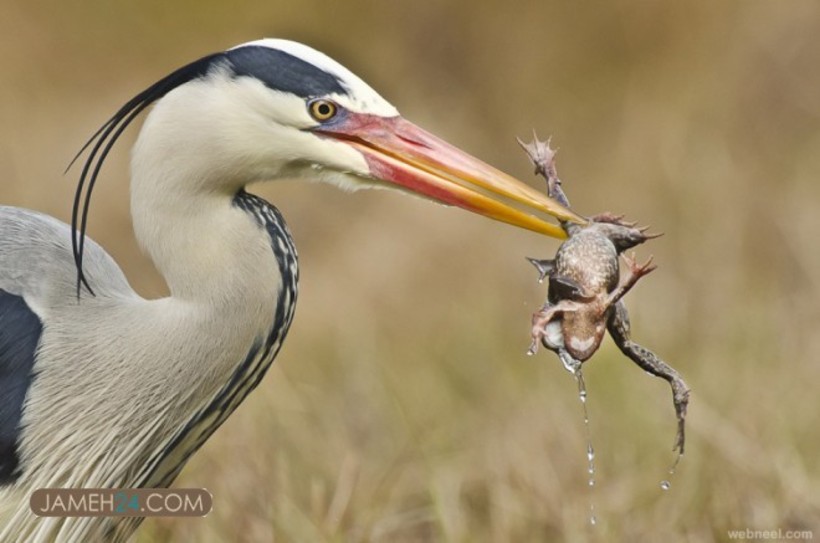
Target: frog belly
[(554, 336)]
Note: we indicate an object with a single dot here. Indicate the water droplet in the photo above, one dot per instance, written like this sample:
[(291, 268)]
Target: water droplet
[(675, 464), (666, 484), (574, 367)]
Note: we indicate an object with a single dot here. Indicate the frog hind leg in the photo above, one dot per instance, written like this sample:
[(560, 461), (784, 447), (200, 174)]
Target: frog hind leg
[(619, 328)]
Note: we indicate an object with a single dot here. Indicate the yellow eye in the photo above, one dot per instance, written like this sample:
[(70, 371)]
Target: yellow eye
[(322, 110)]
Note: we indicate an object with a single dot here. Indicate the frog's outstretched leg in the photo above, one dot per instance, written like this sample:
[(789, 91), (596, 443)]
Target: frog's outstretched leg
[(619, 329)]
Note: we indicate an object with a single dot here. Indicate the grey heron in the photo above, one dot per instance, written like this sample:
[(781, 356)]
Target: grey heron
[(101, 388)]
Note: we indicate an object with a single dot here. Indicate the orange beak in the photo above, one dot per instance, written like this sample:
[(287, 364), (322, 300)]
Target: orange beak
[(411, 158)]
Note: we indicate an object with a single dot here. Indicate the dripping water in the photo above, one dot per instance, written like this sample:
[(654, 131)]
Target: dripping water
[(666, 484), (574, 367), (582, 396)]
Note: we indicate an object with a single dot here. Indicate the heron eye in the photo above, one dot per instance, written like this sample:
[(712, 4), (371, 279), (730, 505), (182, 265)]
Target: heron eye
[(322, 110)]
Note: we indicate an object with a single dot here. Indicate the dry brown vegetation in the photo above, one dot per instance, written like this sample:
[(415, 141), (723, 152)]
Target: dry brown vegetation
[(402, 407)]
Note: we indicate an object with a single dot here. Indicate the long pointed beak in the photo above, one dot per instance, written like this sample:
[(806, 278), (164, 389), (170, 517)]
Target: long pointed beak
[(400, 152)]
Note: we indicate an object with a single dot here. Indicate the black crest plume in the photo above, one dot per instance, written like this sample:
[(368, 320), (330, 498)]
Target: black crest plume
[(103, 140)]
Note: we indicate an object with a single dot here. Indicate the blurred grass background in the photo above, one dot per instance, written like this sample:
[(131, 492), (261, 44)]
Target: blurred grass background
[(402, 407)]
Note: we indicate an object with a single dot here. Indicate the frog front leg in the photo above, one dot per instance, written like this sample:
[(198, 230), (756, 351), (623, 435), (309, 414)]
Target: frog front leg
[(619, 328), (636, 271)]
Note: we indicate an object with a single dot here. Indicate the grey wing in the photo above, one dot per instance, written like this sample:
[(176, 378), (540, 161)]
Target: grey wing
[(36, 261), (37, 275)]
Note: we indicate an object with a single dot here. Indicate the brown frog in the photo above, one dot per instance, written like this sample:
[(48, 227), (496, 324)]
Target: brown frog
[(583, 286), (585, 290)]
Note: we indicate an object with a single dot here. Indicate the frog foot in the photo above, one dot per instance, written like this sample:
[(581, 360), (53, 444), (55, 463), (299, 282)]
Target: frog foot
[(638, 270), (680, 395)]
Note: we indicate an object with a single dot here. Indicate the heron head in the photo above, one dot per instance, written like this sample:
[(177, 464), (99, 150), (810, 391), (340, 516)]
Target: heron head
[(275, 108)]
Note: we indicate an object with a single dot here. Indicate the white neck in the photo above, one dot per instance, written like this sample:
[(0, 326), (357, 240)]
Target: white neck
[(207, 249)]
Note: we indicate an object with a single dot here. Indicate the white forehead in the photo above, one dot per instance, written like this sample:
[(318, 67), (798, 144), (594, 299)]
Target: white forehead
[(361, 97)]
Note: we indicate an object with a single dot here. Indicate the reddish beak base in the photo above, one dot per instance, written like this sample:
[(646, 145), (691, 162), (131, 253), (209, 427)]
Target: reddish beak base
[(401, 153)]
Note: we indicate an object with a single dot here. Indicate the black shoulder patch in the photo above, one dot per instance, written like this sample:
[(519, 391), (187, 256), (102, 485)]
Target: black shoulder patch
[(283, 72), (20, 331)]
